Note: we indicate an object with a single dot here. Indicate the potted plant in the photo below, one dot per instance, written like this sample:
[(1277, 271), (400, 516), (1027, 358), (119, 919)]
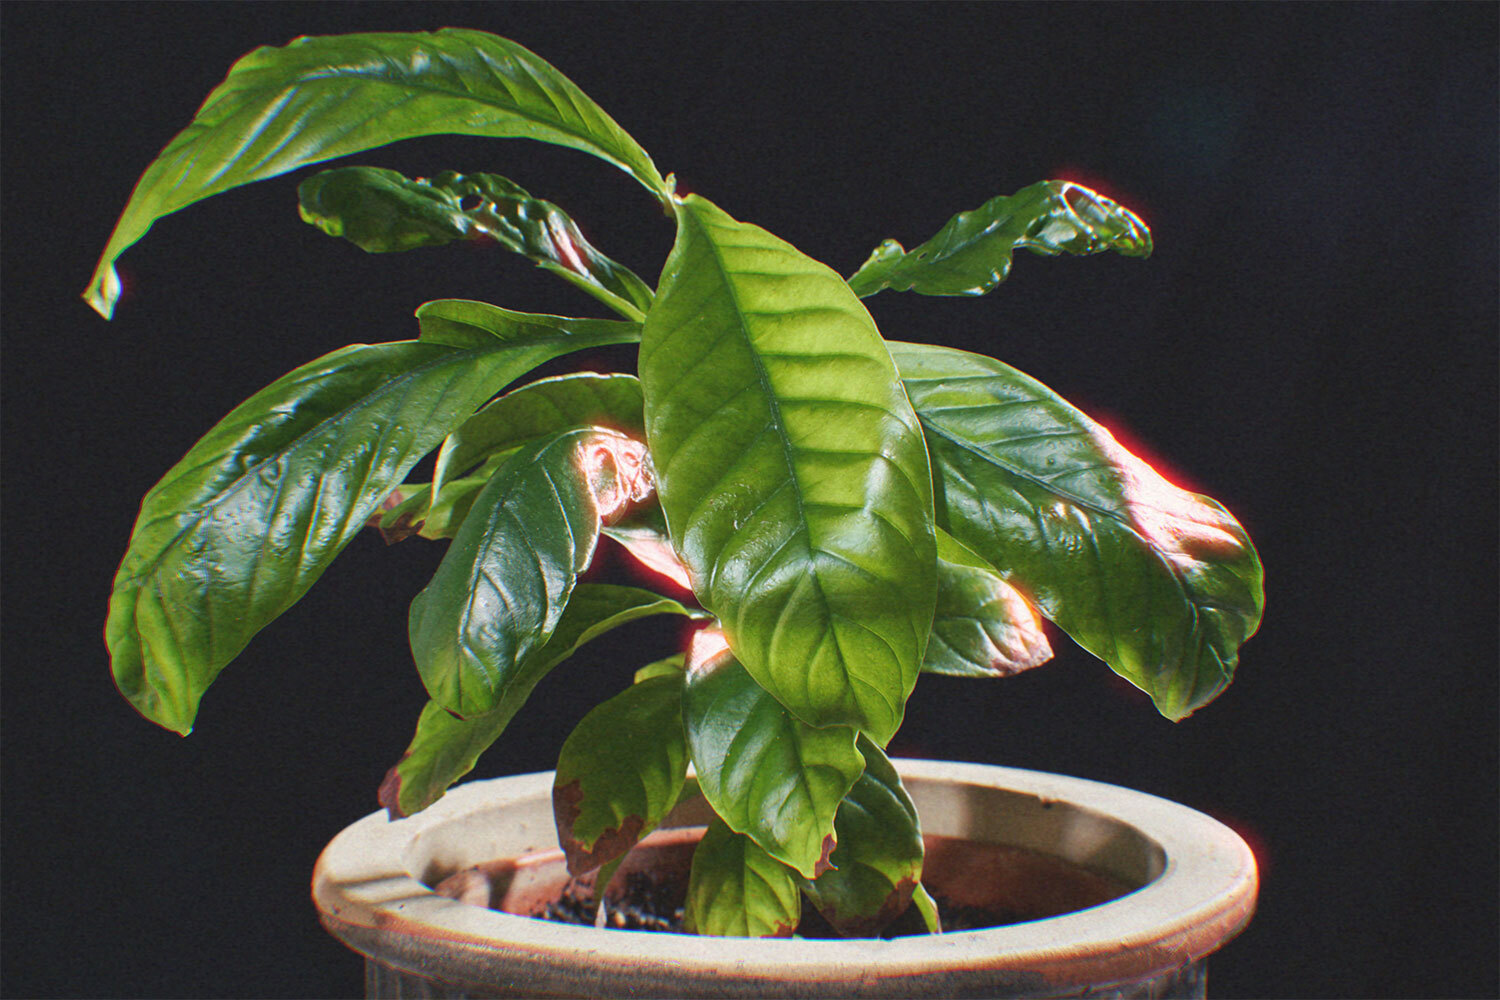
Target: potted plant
[(847, 512)]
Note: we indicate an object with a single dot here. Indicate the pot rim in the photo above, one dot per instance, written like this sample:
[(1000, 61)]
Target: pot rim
[(1204, 895)]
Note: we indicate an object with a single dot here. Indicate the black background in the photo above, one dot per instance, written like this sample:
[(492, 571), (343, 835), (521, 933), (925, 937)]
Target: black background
[(1314, 343)]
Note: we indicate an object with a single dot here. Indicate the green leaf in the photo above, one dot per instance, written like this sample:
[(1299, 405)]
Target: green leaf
[(620, 772), (382, 211), (643, 533), (879, 857), (791, 470), (1162, 584), (239, 529), (982, 626), (769, 776), (465, 323), (665, 667), (738, 890), (543, 407), (445, 748), (927, 908), (320, 98), (972, 253), (502, 586)]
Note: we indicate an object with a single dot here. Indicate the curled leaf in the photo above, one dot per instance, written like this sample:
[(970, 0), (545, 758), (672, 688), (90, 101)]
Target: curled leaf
[(972, 253)]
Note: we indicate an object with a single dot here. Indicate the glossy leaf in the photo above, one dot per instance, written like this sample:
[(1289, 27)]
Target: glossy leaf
[(543, 407), (502, 586), (879, 857), (239, 529), (972, 253), (320, 98), (1162, 584), (791, 470), (620, 772), (465, 323), (665, 667), (382, 211), (738, 890), (767, 774), (643, 533), (445, 748), (982, 627)]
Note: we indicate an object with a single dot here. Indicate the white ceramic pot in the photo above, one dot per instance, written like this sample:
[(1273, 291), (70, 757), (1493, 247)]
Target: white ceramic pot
[(1191, 880)]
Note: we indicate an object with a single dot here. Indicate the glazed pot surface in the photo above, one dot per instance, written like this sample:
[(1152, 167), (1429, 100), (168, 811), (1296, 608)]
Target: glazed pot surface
[(1189, 885)]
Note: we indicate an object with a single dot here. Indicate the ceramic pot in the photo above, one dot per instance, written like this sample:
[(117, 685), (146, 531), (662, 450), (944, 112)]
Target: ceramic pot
[(1032, 842)]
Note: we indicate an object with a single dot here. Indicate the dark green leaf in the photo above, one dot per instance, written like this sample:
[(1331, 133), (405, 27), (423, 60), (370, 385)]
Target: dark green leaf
[(543, 407), (879, 857), (382, 211), (738, 890), (319, 98), (982, 627), (445, 748), (620, 772), (791, 470), (769, 775), (972, 253), (239, 529), (502, 586), (1162, 584), (465, 323)]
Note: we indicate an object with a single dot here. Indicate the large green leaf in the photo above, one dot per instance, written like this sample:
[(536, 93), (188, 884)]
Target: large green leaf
[(620, 772), (972, 253), (239, 529), (879, 857), (320, 98), (767, 774), (502, 586), (738, 890), (445, 748), (543, 407), (382, 211), (982, 626), (791, 470), (1162, 584)]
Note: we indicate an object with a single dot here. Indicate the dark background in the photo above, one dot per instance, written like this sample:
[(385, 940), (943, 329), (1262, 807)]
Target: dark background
[(1314, 343)]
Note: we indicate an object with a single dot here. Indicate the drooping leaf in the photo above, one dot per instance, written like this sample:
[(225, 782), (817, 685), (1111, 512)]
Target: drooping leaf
[(1162, 584), (320, 98), (382, 211), (239, 529), (791, 471), (502, 586), (879, 857), (738, 890), (620, 772), (767, 774), (982, 626), (445, 748), (927, 909), (543, 407), (466, 323), (972, 253)]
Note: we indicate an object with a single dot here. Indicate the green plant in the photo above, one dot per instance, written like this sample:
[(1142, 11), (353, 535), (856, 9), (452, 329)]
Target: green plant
[(847, 511)]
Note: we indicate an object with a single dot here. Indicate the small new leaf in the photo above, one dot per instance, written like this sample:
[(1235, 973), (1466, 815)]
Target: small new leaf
[(972, 253), (738, 890), (620, 772)]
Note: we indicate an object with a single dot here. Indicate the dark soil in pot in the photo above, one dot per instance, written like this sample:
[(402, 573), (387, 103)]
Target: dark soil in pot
[(975, 885)]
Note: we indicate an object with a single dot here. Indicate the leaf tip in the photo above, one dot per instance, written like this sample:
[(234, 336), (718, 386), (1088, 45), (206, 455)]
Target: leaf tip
[(104, 291), (389, 794)]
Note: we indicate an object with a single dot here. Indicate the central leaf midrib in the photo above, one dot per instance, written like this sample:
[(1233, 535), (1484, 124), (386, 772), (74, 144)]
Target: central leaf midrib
[(772, 403)]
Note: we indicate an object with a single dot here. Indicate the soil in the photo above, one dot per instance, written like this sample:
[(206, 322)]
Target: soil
[(975, 886)]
